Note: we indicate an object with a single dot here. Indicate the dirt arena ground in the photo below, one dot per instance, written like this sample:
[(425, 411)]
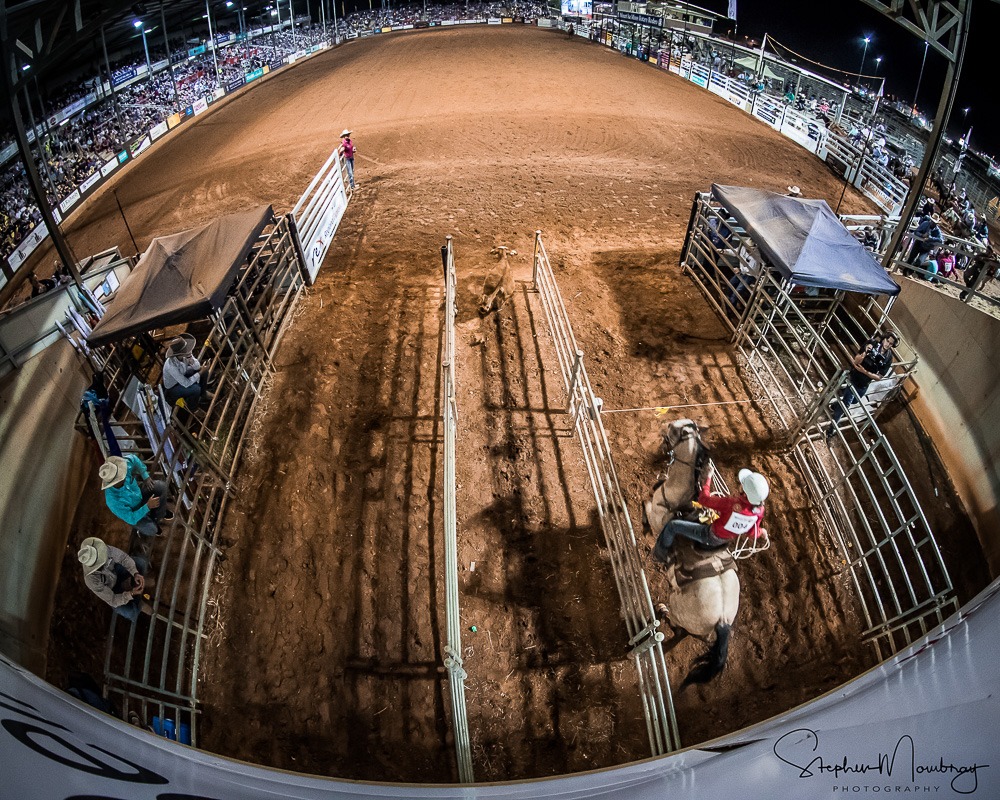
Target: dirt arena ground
[(327, 652)]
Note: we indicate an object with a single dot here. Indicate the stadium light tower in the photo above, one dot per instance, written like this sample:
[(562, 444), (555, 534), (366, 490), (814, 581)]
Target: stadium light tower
[(864, 55), (142, 29), (920, 77)]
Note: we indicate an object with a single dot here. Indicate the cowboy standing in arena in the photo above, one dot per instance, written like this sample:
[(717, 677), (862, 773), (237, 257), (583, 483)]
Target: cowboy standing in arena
[(116, 577), (738, 515), (871, 364), (349, 150), (141, 505)]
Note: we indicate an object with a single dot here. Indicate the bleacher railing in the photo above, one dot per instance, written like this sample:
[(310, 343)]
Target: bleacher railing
[(645, 641), (453, 648)]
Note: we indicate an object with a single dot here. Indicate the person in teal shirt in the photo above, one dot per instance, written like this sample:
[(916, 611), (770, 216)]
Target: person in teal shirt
[(133, 496)]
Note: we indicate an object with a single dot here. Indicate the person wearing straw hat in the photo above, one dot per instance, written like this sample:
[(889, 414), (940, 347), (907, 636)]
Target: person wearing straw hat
[(133, 496), (116, 577), (732, 516), (183, 375), (348, 148)]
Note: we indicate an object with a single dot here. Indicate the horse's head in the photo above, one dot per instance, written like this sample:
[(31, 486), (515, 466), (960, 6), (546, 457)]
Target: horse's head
[(678, 430)]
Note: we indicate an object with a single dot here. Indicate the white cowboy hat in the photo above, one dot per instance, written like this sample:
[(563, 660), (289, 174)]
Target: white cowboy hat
[(754, 486), (182, 345), (345, 133), (112, 471), (794, 191), (93, 554)]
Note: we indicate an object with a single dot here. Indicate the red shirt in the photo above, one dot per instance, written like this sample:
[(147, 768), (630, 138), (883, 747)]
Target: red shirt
[(348, 148), (736, 515)]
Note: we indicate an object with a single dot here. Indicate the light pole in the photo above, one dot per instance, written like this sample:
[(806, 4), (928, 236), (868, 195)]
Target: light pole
[(864, 55), (920, 77), (142, 29), (878, 63)]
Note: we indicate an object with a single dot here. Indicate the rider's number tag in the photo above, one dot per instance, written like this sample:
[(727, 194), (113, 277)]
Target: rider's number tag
[(739, 523)]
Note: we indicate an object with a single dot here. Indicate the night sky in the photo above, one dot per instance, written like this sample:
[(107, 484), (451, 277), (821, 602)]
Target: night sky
[(815, 30)]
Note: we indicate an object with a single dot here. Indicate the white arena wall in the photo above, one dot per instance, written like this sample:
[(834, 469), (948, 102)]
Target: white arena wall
[(958, 398)]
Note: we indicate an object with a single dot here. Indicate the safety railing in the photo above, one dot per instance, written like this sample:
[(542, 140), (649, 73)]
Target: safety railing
[(319, 211), (449, 410), (795, 344), (645, 641)]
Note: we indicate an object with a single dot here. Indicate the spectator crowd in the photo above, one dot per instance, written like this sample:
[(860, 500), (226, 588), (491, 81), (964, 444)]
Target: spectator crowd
[(77, 148)]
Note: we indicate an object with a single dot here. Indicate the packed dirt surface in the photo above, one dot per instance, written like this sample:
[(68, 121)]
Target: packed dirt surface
[(328, 657)]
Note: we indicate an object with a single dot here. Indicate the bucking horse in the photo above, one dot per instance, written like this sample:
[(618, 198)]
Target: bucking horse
[(703, 589)]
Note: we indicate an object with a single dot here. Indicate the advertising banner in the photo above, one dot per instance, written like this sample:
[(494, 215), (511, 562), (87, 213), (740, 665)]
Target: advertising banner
[(109, 167), (88, 184), (507, 20), (252, 76), (158, 65), (200, 106), (120, 76), (196, 51), (70, 200), (140, 145), (278, 64), (173, 121), (641, 19), (27, 247), (218, 92), (235, 84), (494, 21), (318, 213), (177, 56), (158, 130), (123, 156)]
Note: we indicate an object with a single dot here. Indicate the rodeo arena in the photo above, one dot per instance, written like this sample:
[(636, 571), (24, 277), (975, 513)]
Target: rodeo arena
[(493, 400)]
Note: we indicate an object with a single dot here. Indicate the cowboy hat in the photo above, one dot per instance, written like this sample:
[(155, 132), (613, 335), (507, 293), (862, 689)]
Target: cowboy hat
[(794, 191), (113, 471), (182, 345), (936, 219), (754, 486), (345, 133), (93, 554)]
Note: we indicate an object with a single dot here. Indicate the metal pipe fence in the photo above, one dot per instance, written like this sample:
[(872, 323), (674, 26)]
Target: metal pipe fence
[(645, 641), (795, 343), (449, 411), (154, 668)]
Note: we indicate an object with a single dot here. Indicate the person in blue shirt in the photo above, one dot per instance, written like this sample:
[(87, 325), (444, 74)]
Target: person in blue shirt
[(133, 496), (926, 237)]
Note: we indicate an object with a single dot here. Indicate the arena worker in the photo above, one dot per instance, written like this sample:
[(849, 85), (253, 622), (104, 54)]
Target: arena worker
[(349, 150), (794, 191), (133, 496), (734, 516), (871, 364), (183, 375), (116, 577)]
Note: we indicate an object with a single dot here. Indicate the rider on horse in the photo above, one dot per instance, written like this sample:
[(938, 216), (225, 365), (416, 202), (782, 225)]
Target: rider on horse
[(735, 516)]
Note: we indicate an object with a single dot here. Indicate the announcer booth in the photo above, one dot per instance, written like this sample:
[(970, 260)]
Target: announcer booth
[(232, 284), (802, 297)]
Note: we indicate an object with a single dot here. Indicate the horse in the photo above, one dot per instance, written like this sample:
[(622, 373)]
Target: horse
[(703, 597), (703, 589), (679, 487)]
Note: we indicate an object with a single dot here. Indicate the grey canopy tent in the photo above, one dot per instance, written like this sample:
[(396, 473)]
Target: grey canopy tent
[(805, 241), (182, 277)]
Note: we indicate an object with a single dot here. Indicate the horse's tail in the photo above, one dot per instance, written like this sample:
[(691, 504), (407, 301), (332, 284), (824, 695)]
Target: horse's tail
[(710, 664)]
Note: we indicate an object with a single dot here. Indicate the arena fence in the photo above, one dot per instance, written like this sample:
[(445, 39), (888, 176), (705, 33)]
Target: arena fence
[(449, 411), (795, 343), (153, 667), (645, 641), (319, 211)]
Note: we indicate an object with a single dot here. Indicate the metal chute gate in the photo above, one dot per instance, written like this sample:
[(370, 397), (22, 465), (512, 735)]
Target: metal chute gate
[(796, 343), (154, 668)]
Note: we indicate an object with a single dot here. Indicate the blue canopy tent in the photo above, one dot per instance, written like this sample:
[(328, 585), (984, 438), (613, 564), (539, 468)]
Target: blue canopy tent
[(805, 241)]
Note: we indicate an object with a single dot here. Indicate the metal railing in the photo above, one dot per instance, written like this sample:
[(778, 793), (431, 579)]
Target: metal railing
[(645, 641), (795, 344), (449, 411), (154, 668)]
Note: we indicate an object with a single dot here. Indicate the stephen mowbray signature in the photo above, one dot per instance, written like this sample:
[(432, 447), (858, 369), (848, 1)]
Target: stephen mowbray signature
[(799, 748)]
